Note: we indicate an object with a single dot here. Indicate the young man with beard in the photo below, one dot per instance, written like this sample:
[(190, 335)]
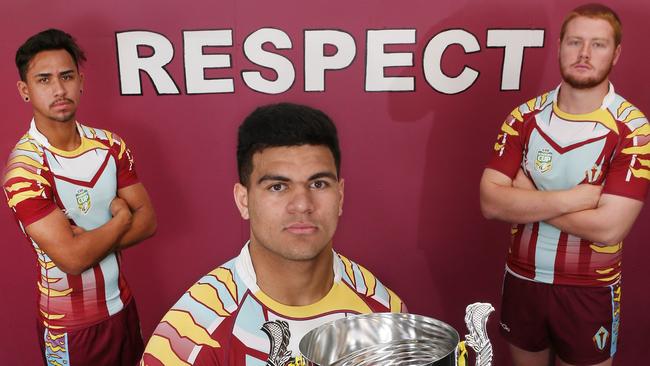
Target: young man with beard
[(75, 194), (570, 170), (254, 309)]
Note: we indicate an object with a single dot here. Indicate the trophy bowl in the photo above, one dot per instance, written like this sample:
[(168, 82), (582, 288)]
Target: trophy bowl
[(382, 339)]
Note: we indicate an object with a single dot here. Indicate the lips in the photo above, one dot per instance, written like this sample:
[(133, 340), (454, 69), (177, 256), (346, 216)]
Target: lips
[(61, 103), (301, 228), (582, 66)]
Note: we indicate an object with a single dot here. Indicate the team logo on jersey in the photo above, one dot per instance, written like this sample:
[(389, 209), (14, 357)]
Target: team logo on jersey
[(544, 160), (600, 338), (279, 337), (83, 200)]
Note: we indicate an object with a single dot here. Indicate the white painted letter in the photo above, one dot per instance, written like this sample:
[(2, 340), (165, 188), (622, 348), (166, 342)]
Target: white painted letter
[(286, 75), (196, 61), (130, 63), (433, 57), (514, 41), (377, 60), (316, 63)]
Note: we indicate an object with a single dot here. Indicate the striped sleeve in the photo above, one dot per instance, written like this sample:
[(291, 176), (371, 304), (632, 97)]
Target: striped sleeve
[(629, 173), (191, 326), (26, 185)]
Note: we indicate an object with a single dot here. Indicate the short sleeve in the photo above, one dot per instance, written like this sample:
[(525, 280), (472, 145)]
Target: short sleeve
[(629, 172), (28, 191), (508, 149), (126, 174)]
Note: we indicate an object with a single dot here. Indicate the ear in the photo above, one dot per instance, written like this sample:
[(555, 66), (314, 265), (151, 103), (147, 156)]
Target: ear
[(559, 45), (341, 194), (23, 90), (617, 54), (240, 193)]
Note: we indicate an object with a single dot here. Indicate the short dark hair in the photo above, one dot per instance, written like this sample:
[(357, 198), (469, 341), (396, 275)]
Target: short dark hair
[(47, 40), (283, 124)]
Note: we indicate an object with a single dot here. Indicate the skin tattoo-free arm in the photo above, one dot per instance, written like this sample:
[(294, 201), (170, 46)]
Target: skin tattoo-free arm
[(503, 201)]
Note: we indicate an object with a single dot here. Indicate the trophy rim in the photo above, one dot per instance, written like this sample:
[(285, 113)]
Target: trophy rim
[(422, 323)]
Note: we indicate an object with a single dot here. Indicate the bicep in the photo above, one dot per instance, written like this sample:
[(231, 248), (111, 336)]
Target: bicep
[(51, 233), (619, 210), (492, 177), (136, 196)]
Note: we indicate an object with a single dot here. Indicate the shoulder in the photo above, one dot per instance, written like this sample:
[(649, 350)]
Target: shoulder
[(634, 121), (367, 285), (25, 168), (105, 137), (190, 324), (534, 105)]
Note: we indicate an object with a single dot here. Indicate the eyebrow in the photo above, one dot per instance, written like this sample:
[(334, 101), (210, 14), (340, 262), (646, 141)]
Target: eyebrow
[(282, 178), (47, 74)]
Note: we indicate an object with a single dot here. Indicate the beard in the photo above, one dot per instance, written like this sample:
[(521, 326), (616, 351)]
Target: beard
[(585, 83)]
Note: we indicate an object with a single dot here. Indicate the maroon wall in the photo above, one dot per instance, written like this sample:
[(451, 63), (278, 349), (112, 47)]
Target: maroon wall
[(411, 159)]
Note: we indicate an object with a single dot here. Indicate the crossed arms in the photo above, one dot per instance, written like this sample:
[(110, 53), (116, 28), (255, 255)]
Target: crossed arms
[(74, 250), (581, 211)]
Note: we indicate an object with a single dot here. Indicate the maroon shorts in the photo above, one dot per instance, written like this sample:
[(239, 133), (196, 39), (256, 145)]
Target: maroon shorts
[(116, 341), (580, 324)]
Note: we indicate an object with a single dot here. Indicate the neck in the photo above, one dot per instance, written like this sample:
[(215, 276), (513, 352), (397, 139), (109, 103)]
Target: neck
[(61, 135), (293, 283), (581, 101)]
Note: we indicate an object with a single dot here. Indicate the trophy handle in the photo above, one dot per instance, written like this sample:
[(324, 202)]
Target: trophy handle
[(476, 316)]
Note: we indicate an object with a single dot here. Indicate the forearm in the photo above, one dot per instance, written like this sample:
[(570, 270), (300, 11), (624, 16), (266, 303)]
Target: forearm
[(143, 226), (607, 224), (522, 206), (88, 248)]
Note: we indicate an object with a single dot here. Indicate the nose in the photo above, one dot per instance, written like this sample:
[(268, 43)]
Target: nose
[(57, 88), (585, 51), (301, 201)]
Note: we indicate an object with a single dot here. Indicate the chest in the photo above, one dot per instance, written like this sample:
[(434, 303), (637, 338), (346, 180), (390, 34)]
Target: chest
[(84, 186), (564, 154)]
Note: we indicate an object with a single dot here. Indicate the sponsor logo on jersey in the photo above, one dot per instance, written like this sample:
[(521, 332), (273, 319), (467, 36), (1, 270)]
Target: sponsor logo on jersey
[(83, 200), (544, 160), (600, 338)]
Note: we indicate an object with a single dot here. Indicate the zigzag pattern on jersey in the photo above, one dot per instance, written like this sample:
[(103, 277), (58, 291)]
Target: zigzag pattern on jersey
[(366, 284), (22, 178), (188, 326), (637, 123), (517, 116), (95, 134)]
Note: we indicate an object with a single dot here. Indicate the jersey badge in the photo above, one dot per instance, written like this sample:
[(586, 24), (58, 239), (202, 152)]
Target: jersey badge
[(600, 338), (83, 200), (544, 161)]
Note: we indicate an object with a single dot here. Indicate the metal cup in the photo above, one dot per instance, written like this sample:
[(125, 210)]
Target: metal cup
[(397, 339)]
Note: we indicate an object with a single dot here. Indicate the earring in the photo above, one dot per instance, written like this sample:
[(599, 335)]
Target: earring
[(81, 91), (26, 99)]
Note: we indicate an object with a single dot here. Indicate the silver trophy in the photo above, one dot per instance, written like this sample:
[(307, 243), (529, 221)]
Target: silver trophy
[(387, 339)]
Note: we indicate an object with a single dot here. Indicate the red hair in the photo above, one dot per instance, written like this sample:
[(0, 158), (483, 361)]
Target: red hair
[(596, 11)]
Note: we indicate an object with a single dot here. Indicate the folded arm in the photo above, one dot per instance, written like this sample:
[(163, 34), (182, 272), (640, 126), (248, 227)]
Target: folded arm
[(74, 250), (607, 224), (503, 201), (144, 217)]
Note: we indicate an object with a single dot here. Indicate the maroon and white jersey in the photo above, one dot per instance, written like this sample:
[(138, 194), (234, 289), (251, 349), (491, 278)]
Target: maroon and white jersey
[(40, 178), (557, 150)]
